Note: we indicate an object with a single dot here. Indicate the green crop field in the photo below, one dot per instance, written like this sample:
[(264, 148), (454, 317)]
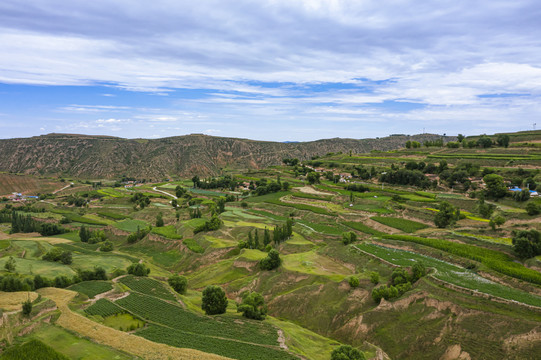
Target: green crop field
[(451, 273), (404, 225), (148, 286), (103, 308), (131, 225), (168, 231), (92, 288)]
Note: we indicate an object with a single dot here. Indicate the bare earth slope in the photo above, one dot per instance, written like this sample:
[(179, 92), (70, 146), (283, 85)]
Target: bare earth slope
[(107, 157)]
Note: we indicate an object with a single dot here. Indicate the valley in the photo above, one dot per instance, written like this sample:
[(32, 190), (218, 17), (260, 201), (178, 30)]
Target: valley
[(416, 251)]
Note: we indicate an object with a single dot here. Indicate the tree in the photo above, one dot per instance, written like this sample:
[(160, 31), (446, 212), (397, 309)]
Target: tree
[(346, 352), (447, 215), (214, 300), (138, 270), (418, 270), (27, 307), (196, 181), (374, 277), (460, 137), (180, 191), (353, 281), (107, 246), (178, 283), (159, 220), (533, 209), (484, 141), (527, 244), (66, 257), (495, 187), (266, 237), (313, 178), (84, 234), (253, 306), (349, 237), (496, 221), (503, 140), (174, 203), (272, 261), (10, 265)]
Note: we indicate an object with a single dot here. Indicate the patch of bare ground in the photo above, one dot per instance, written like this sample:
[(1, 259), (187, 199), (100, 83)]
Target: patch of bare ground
[(379, 226), (454, 352), (248, 265), (282, 340), (311, 190), (522, 340)]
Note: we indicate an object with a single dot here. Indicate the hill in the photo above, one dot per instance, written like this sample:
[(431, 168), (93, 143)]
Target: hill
[(108, 157)]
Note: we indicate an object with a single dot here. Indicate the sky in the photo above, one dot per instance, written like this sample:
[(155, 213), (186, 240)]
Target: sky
[(277, 70)]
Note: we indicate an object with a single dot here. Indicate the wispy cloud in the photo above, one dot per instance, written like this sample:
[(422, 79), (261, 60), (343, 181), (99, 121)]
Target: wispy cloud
[(281, 62)]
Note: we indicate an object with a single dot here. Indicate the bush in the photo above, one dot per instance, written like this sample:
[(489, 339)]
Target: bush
[(349, 237), (178, 283), (346, 352), (272, 261), (138, 270), (533, 209), (374, 277), (214, 300), (106, 246), (27, 307), (253, 306), (353, 281)]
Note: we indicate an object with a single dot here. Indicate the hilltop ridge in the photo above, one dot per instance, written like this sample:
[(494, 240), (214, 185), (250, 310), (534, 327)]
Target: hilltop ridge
[(97, 156)]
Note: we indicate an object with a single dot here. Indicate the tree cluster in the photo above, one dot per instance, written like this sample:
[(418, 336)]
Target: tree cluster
[(346, 352), (272, 261), (527, 243), (223, 182), (357, 188), (57, 254), (290, 162), (253, 306), (138, 269), (210, 225), (138, 235), (140, 200), (447, 215), (401, 281)]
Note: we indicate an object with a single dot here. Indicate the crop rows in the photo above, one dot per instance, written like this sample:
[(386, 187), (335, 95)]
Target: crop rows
[(148, 286), (228, 348), (104, 308), (493, 259), (33, 349), (92, 288), (451, 273), (161, 312), (112, 215), (405, 225), (363, 228), (311, 208)]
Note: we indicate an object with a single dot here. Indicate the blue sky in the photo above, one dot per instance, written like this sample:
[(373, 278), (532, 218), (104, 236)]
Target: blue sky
[(269, 69)]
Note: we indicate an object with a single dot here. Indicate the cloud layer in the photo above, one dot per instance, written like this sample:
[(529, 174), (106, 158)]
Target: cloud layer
[(306, 69)]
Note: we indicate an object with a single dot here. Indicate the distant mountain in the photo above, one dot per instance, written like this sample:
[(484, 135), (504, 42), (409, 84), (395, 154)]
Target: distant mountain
[(110, 157)]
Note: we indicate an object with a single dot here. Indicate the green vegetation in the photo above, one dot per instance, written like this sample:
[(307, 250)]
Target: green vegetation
[(92, 288), (148, 286), (405, 225), (494, 260), (33, 349), (103, 308)]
